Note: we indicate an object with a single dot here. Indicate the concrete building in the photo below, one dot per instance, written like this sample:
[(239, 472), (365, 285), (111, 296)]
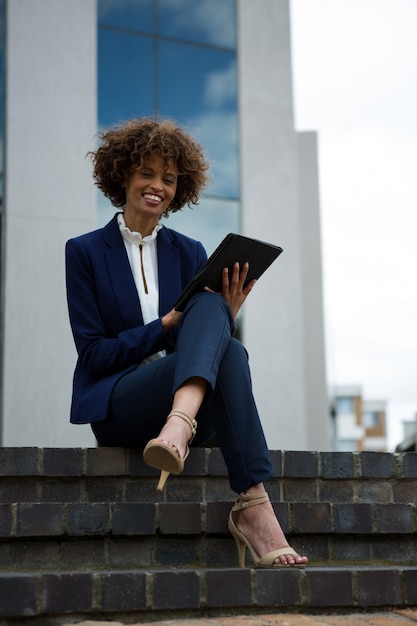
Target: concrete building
[(72, 67), (409, 442), (359, 424)]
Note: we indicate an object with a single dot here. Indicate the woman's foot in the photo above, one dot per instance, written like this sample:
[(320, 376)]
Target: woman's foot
[(169, 451), (263, 531), (176, 433)]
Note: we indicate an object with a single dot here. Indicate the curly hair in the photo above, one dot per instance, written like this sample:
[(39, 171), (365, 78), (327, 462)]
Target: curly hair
[(128, 146)]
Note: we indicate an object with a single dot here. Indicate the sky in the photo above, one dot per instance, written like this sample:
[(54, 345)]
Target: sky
[(355, 83)]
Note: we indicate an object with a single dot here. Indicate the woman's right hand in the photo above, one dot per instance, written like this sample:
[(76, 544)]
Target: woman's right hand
[(170, 320), (233, 290)]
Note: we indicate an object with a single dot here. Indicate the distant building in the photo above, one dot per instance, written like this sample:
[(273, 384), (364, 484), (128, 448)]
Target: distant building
[(359, 424), (409, 443)]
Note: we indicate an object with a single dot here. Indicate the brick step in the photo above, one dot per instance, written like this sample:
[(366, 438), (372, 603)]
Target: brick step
[(84, 533), (150, 594), (51, 535), (117, 474), (155, 552)]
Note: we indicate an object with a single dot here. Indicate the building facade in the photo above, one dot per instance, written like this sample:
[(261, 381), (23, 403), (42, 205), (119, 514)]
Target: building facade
[(359, 424), (72, 68), (409, 442)]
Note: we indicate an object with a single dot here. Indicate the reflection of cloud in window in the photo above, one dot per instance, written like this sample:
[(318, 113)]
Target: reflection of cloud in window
[(218, 133), (209, 222), (214, 21), (220, 87)]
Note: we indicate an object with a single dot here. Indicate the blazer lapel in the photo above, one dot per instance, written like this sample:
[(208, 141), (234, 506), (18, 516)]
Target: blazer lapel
[(169, 271), (121, 276)]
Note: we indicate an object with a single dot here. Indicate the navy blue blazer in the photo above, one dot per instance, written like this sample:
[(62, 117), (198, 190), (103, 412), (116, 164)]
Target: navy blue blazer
[(105, 315)]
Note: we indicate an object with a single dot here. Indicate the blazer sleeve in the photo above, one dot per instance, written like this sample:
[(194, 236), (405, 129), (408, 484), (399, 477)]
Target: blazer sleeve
[(102, 347)]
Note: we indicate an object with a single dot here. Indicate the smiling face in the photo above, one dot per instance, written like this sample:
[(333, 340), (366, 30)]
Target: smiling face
[(149, 192)]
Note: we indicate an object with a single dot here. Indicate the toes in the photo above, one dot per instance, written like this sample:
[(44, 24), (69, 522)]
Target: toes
[(170, 445), (285, 560), (288, 559)]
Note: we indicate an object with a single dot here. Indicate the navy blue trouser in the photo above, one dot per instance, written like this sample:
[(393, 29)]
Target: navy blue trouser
[(142, 399)]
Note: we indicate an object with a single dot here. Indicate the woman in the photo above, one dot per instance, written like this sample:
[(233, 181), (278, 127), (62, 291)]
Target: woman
[(150, 376)]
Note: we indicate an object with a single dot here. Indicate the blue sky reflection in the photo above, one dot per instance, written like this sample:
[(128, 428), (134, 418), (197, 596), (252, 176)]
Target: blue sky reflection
[(131, 14), (208, 22), (192, 83), (124, 83)]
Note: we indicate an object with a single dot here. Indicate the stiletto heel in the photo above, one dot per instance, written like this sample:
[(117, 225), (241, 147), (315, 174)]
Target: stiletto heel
[(241, 550), (244, 501), (163, 455), (162, 480)]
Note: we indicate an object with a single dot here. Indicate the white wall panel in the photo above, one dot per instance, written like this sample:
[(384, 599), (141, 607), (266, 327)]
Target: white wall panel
[(50, 125), (274, 314)]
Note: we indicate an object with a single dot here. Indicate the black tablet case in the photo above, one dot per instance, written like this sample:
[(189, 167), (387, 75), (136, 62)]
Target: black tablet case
[(258, 254)]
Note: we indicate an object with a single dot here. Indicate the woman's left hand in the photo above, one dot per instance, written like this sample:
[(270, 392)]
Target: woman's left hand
[(233, 290)]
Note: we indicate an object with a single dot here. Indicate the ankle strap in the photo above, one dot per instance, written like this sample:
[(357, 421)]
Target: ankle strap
[(246, 500), (192, 423)]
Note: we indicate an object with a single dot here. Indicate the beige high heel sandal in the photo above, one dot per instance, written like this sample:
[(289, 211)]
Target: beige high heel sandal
[(163, 455), (244, 501)]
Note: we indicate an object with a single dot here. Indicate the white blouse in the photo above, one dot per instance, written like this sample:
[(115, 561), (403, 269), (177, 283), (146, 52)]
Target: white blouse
[(143, 259)]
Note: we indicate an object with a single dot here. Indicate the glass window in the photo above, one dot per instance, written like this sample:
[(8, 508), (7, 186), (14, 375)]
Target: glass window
[(198, 88), (130, 14), (192, 80), (345, 405), (370, 419), (125, 77), (209, 222), (206, 22)]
